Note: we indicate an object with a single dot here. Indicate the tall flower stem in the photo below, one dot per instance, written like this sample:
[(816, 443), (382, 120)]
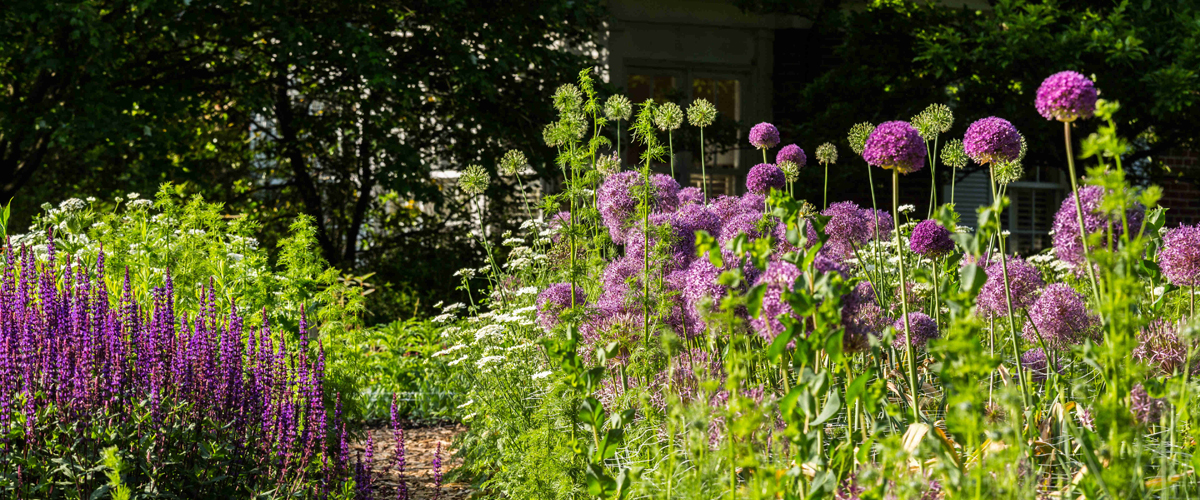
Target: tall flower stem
[(908, 340), (619, 157), (524, 197), (703, 172), (932, 178), (671, 151), (825, 196), (1079, 213), (937, 308), (953, 177), (875, 214), (1012, 323)]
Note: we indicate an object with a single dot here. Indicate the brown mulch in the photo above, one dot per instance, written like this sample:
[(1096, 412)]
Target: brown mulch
[(420, 442)]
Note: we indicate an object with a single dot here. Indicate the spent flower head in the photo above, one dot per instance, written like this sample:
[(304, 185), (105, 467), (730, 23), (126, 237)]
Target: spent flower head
[(934, 120), (701, 113), (618, 107), (513, 163), (608, 164), (827, 153), (953, 154), (791, 171), (567, 98), (474, 180), (668, 116), (858, 136)]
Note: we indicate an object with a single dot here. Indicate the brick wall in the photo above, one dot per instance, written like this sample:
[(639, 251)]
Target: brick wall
[(1182, 195)]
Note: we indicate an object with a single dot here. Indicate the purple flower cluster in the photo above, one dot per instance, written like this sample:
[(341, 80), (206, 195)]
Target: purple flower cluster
[(922, 327), (764, 177), (992, 140), (896, 145), (930, 239), (1066, 96), (69, 352), (1068, 246), (791, 153), (554, 300), (764, 136), (399, 459), (1160, 346), (780, 275), (619, 196), (1035, 361), (691, 195), (1180, 255), (862, 318), (1060, 316), (1146, 409), (849, 227), (1024, 282)]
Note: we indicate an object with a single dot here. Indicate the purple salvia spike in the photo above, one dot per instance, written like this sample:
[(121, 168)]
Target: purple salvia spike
[(398, 431), (437, 472)]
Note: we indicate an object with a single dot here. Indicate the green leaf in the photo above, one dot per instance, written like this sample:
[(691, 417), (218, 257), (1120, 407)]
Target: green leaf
[(599, 483), (779, 345), (857, 388), (832, 405), (609, 444), (754, 300), (971, 279), (591, 412)]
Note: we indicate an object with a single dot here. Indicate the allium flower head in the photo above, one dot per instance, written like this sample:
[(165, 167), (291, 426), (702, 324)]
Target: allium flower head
[(992, 140), (791, 171), (1160, 346), (930, 239), (858, 136), (726, 207), (1066, 96), (474, 180), (618, 199), (885, 224), (896, 145), (791, 153), (554, 300), (922, 327), (567, 98), (691, 195), (1146, 409), (953, 154), (764, 136), (780, 275), (1180, 255), (618, 107), (1068, 246), (513, 163), (1061, 316), (934, 120), (763, 177), (608, 165), (827, 153), (848, 227), (862, 317), (1024, 282), (1035, 361), (668, 116), (700, 284), (701, 113)]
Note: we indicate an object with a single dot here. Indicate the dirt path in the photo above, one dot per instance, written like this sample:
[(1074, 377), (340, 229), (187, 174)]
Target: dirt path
[(420, 442)]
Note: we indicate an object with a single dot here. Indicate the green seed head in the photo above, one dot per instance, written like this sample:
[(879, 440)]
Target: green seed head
[(858, 136), (701, 113), (668, 117), (953, 154), (827, 153), (474, 180), (618, 107), (513, 163)]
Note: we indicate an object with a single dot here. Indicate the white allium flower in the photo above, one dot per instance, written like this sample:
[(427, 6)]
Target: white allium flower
[(465, 272)]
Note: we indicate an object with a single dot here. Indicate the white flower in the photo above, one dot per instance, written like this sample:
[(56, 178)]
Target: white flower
[(512, 242), (519, 264), (1158, 290), (541, 375), (140, 204), (483, 270), (469, 417), (448, 350), (483, 362), (72, 205), (906, 208), (453, 307), (489, 331), (962, 229), (529, 290), (443, 318), (529, 309), (468, 403), (91, 199), (1005, 232), (236, 257), (132, 196), (465, 272), (457, 361)]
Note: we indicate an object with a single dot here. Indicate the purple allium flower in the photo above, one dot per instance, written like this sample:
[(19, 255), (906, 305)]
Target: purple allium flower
[(848, 227), (1180, 255), (619, 196), (1024, 281), (825, 264), (895, 144), (1067, 244), (884, 219), (700, 284), (753, 203), (763, 177), (691, 194), (1161, 348), (862, 317), (1066, 96), (1147, 409), (931, 240), (791, 153), (992, 140), (666, 198), (681, 240), (764, 136), (780, 275), (726, 207), (922, 327), (694, 217), (1035, 361), (624, 327), (1060, 316), (554, 300), (617, 291)]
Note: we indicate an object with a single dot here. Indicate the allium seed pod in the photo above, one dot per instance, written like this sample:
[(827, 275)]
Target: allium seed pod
[(935, 119), (827, 153), (668, 116), (701, 113), (954, 155), (618, 107), (474, 180), (567, 98), (858, 136), (513, 163)]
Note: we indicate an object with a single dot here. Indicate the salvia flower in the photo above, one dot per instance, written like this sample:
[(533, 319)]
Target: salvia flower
[(992, 140), (827, 153), (554, 300), (474, 180), (1146, 409), (953, 154), (1180, 255), (858, 136), (668, 116), (1061, 316), (437, 472), (763, 177), (1024, 282), (1068, 246), (701, 113), (618, 107), (897, 145), (930, 239), (920, 325), (513, 163), (764, 136), (1066, 96)]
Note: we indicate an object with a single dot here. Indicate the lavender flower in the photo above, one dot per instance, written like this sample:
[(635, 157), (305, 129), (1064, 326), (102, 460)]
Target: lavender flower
[(764, 177), (1068, 246), (1180, 255), (1146, 409), (398, 435), (922, 327), (930, 239), (779, 276), (764, 136), (554, 300), (895, 144), (1024, 281), (1060, 316), (992, 140), (1066, 96)]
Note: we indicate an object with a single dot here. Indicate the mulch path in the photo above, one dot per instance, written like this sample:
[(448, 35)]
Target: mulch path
[(420, 442)]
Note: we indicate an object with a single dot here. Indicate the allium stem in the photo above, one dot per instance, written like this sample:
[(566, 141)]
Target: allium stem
[(524, 196), (953, 177), (671, 151), (908, 340), (1079, 213), (825, 196), (1012, 323), (703, 172)]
